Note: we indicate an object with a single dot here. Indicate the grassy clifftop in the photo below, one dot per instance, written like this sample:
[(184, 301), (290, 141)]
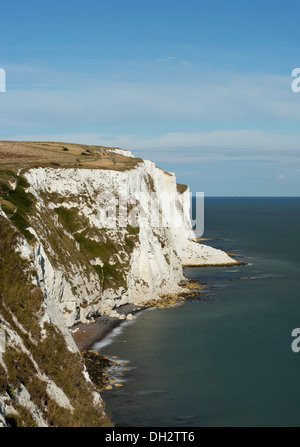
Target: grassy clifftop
[(18, 154)]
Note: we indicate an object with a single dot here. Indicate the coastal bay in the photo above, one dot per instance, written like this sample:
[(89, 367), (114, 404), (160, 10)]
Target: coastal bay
[(224, 360)]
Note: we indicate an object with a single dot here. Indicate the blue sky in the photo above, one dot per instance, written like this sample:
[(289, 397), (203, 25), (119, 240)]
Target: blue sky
[(202, 88)]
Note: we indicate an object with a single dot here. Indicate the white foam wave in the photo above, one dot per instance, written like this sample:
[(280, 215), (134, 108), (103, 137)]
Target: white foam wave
[(116, 332), (110, 338)]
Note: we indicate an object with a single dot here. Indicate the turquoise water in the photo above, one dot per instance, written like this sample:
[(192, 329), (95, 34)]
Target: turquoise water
[(225, 360)]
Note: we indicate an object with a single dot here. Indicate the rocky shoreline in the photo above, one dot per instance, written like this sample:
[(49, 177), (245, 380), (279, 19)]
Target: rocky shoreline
[(100, 368), (86, 335)]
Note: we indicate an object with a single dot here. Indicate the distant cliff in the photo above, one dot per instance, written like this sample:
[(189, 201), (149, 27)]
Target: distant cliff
[(80, 237)]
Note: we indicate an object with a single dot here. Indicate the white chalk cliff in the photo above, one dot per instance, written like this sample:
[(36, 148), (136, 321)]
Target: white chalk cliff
[(100, 239), (163, 241)]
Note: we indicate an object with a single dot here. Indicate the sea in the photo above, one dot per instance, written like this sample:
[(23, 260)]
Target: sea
[(229, 357)]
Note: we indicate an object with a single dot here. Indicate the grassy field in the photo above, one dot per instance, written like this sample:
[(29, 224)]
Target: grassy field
[(27, 154)]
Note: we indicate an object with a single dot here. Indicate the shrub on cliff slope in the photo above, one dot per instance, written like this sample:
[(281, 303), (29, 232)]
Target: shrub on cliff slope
[(36, 354)]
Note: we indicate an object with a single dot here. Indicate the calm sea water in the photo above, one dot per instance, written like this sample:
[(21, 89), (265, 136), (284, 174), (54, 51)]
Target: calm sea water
[(226, 360)]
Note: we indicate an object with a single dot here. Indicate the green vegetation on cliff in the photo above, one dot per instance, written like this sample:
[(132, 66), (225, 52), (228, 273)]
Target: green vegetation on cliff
[(37, 353), (96, 244), (15, 201)]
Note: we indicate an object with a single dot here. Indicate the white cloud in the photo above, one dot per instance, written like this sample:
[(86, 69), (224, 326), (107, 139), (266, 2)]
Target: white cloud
[(281, 176), (195, 146), (165, 59), (78, 102), (85, 101)]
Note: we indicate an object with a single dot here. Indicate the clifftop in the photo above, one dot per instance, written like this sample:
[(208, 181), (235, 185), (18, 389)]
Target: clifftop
[(17, 154)]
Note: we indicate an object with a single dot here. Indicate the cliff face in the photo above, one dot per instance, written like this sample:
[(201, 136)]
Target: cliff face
[(107, 238), (86, 241), (43, 379)]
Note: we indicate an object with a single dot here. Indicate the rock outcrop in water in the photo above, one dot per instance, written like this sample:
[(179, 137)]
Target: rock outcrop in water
[(77, 242)]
